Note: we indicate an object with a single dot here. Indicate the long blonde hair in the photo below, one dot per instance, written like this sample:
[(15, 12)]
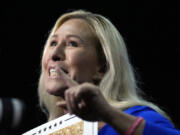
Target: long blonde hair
[(118, 85)]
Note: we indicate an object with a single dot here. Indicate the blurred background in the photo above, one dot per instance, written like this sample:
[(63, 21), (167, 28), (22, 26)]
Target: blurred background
[(149, 30)]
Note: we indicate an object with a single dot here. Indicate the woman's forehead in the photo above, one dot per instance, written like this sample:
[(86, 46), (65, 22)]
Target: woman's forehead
[(75, 25), (78, 28)]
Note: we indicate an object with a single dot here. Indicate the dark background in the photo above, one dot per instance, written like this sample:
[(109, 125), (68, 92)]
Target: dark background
[(149, 29)]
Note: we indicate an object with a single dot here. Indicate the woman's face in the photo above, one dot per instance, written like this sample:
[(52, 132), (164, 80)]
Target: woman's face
[(71, 50)]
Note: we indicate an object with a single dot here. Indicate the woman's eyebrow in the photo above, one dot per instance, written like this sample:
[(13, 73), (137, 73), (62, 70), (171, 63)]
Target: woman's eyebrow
[(76, 36), (69, 36)]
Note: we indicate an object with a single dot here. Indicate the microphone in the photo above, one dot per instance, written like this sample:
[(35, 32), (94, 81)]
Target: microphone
[(12, 111)]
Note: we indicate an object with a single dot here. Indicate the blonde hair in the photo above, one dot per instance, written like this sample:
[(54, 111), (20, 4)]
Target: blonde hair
[(118, 84)]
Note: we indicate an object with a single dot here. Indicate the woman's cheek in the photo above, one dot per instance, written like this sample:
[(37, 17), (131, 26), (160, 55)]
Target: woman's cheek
[(76, 62), (46, 58), (75, 58), (44, 62)]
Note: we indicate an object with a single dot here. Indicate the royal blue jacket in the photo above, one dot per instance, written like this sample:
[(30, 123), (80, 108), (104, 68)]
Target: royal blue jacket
[(155, 124)]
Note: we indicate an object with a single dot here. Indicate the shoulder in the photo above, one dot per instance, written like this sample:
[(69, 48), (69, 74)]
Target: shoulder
[(149, 115), (155, 122)]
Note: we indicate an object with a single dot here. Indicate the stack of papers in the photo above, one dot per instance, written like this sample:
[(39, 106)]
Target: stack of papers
[(66, 125)]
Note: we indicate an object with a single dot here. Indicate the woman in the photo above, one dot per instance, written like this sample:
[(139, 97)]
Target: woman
[(86, 71)]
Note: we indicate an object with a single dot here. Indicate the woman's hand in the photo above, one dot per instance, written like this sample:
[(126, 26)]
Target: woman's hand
[(86, 101)]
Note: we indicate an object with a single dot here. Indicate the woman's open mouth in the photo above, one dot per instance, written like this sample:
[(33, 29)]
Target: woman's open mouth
[(55, 72)]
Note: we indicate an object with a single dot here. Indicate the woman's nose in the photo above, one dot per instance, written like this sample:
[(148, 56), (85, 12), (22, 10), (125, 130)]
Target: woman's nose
[(58, 53)]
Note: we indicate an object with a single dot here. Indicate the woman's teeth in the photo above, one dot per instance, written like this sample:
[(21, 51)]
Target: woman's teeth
[(53, 73)]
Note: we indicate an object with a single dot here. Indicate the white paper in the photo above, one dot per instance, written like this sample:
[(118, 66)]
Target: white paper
[(66, 125)]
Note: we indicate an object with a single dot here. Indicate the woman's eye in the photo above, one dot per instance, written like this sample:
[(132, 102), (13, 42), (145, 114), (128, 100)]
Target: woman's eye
[(73, 44), (53, 43)]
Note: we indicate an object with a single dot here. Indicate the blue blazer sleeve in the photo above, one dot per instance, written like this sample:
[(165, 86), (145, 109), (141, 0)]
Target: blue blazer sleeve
[(156, 124), (155, 129)]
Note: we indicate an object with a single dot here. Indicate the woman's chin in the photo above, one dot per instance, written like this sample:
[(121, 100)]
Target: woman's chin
[(56, 90)]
